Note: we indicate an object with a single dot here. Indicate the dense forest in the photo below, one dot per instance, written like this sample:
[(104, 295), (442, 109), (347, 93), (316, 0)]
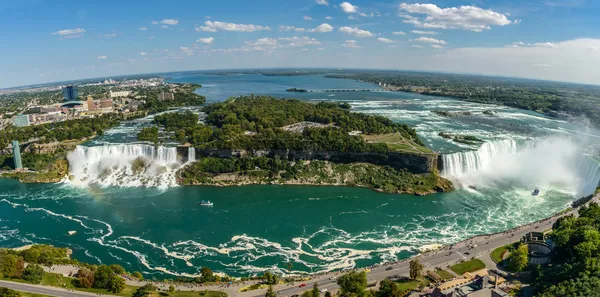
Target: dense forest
[(255, 122), (551, 98), (576, 260)]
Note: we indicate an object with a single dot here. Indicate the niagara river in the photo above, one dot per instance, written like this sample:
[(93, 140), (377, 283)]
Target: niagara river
[(144, 221)]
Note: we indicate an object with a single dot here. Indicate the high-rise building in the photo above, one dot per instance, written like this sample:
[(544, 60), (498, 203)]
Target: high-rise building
[(17, 154), (70, 93)]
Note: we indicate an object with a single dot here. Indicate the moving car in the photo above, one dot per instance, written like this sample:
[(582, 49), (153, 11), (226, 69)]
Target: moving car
[(302, 286), (389, 268)]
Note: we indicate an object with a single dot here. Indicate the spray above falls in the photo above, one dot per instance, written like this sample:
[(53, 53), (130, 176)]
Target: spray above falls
[(125, 165), (550, 163)]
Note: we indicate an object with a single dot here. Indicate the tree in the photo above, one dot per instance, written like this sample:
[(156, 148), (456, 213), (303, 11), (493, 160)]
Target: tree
[(416, 268), (207, 274), (353, 284), (6, 292), (33, 273), (116, 284), (171, 290), (118, 269), (315, 290), (518, 259), (138, 275), (327, 294), (8, 264), (289, 266), (85, 277), (102, 277), (388, 288), (270, 292), (270, 278)]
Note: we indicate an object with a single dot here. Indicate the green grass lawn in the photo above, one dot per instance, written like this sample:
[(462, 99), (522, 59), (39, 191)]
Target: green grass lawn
[(407, 285), (27, 294), (496, 254), (444, 274), (467, 266)]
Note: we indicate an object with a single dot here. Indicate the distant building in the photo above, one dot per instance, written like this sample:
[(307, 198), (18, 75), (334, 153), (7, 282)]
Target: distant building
[(21, 120), (106, 104), (70, 93), (166, 96), (119, 94), (91, 106), (17, 155)]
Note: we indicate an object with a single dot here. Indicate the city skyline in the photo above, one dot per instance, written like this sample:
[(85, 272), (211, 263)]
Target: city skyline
[(549, 40)]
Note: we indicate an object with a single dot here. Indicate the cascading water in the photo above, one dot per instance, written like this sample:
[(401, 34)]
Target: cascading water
[(191, 155), (552, 163), (125, 165)]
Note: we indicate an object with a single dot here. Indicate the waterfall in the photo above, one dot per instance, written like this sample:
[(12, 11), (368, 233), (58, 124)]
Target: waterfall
[(191, 155), (126, 165), (555, 163)]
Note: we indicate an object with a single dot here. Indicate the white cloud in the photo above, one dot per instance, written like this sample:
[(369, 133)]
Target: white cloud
[(423, 32), (356, 32), (437, 46), (143, 29), (385, 40), (170, 22), (417, 46), (370, 15), (322, 2), (290, 28), (186, 50), (143, 54), (207, 40), (102, 57), (348, 8), (463, 17), (350, 44), (110, 35), (70, 33), (299, 41), (210, 26), (307, 18), (429, 40), (398, 33), (322, 28), (154, 23), (164, 26), (545, 44), (328, 18)]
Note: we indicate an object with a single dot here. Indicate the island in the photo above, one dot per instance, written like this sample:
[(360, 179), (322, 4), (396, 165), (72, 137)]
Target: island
[(296, 90), (264, 140)]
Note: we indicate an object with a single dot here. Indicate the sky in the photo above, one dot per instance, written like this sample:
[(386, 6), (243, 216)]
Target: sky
[(47, 41)]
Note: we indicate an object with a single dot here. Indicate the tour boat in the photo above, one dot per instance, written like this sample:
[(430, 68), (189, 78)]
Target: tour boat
[(535, 192), (205, 203)]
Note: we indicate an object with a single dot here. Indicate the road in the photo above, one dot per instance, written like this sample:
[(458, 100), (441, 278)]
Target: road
[(478, 247), (45, 290)]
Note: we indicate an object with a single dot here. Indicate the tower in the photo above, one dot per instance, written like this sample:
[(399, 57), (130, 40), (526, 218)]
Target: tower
[(70, 93), (17, 154)]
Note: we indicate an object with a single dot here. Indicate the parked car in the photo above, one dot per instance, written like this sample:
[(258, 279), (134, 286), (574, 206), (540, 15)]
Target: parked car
[(389, 268), (323, 290), (302, 286)]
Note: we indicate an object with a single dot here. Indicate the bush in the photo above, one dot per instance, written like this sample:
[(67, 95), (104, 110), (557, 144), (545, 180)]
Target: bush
[(6, 292), (138, 275), (33, 273), (118, 269)]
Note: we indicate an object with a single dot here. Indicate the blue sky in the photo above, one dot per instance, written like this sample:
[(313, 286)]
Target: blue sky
[(46, 41)]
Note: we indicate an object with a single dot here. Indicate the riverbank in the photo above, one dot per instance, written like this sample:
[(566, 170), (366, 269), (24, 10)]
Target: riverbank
[(322, 173)]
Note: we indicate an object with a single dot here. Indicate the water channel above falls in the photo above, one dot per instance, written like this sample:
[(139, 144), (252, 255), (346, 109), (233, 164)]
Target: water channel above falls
[(161, 231)]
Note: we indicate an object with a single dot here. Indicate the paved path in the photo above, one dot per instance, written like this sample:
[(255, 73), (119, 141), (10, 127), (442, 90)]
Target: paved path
[(46, 290)]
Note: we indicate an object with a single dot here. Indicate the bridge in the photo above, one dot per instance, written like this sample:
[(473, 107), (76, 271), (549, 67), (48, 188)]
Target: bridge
[(345, 90)]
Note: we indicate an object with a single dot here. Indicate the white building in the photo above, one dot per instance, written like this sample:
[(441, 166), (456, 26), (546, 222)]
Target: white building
[(119, 94)]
